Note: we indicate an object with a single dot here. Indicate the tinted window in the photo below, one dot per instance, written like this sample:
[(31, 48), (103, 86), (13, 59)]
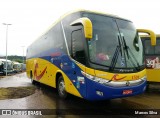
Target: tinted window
[(110, 36), (157, 47), (148, 48), (151, 50), (78, 52)]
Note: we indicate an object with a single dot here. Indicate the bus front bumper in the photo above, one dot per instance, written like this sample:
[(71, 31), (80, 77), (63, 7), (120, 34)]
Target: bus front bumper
[(97, 91)]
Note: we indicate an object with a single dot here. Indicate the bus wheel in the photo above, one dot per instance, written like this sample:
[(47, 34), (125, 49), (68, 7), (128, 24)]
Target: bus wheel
[(61, 88), (31, 77)]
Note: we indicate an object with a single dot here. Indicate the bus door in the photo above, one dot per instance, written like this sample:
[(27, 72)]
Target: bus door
[(74, 65), (78, 54)]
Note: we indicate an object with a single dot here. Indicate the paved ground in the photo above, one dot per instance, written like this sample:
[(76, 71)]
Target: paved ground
[(46, 98), (15, 80)]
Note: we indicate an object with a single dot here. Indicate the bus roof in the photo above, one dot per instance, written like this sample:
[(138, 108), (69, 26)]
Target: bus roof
[(89, 11), (76, 11), (4, 60), (14, 62)]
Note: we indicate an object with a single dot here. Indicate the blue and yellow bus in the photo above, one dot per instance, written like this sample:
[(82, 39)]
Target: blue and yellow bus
[(91, 55), (152, 58)]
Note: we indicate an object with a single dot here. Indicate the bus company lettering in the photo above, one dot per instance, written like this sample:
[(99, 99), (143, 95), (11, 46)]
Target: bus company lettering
[(153, 63), (150, 63), (135, 77), (38, 77), (126, 70), (114, 78)]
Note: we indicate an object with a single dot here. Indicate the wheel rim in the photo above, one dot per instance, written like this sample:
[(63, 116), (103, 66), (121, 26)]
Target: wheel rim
[(31, 77), (62, 88)]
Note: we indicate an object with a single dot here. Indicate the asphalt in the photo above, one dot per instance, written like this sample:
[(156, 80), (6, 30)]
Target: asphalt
[(15, 80)]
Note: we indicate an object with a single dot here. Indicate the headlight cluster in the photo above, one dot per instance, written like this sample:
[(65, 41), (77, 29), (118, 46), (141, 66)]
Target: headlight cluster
[(115, 83), (144, 78)]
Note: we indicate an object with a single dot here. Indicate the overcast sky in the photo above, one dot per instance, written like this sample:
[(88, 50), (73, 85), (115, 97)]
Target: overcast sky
[(30, 18)]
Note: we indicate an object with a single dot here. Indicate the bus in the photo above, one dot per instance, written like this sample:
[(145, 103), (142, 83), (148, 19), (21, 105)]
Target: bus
[(3, 66), (17, 67), (152, 56), (23, 67), (92, 55)]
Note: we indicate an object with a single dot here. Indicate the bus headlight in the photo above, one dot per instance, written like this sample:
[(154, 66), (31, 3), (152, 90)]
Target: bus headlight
[(115, 83), (96, 79), (144, 78)]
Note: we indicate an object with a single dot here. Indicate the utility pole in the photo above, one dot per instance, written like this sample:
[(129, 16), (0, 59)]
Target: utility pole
[(23, 53), (6, 43)]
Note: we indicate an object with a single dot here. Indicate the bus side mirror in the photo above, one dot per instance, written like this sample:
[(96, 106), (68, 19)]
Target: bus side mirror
[(87, 25), (151, 33)]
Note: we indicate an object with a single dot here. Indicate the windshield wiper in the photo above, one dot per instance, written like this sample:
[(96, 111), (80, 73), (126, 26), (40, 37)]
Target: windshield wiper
[(127, 49), (114, 59), (120, 44), (116, 54)]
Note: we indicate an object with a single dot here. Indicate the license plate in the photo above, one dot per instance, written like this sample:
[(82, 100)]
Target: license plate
[(126, 92)]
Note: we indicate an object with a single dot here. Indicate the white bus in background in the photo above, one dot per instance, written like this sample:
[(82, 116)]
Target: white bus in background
[(3, 66), (17, 67), (23, 67)]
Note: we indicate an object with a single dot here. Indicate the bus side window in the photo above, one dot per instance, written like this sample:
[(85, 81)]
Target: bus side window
[(77, 46), (157, 47), (148, 48)]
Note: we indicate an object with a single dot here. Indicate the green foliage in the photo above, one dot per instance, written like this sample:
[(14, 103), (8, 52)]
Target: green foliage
[(16, 58)]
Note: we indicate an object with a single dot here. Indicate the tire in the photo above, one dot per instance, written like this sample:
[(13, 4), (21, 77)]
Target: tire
[(4, 73), (147, 87), (61, 88), (31, 77)]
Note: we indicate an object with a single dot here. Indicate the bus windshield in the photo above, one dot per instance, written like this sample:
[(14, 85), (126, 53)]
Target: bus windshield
[(9, 65), (115, 41)]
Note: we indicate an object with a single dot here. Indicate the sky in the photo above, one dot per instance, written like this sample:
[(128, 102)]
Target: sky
[(30, 18)]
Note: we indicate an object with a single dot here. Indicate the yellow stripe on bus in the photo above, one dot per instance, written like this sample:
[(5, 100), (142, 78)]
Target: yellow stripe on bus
[(49, 78)]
